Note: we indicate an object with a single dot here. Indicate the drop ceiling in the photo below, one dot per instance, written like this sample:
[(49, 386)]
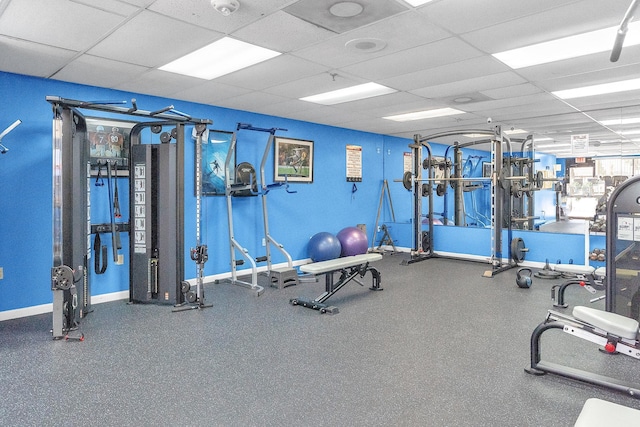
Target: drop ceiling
[(437, 55)]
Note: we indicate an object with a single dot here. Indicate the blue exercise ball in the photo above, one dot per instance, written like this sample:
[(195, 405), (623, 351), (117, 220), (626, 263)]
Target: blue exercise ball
[(353, 241), (323, 246)]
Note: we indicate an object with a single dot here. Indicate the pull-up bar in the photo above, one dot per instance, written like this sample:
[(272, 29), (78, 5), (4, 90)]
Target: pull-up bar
[(249, 127)]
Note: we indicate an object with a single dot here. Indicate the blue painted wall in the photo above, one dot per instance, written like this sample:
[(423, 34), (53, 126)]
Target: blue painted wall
[(328, 204)]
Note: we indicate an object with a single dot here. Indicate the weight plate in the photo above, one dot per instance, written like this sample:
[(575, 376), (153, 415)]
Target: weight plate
[(406, 180), (518, 250), (539, 179), (185, 287), (441, 189), (425, 163), (503, 181), (191, 296), (425, 190)]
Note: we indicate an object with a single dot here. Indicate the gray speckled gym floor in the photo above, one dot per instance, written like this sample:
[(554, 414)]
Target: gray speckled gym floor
[(440, 346)]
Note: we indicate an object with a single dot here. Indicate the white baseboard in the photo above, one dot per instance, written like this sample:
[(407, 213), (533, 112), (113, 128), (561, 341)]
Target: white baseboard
[(48, 308)]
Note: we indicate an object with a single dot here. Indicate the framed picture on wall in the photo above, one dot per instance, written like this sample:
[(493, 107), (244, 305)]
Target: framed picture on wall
[(108, 140), (214, 155), (293, 160)]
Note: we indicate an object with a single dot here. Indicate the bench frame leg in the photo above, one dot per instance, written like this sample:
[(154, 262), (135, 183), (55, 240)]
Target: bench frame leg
[(567, 324), (331, 287)]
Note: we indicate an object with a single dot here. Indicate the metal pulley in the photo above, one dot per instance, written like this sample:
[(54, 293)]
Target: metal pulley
[(61, 278)]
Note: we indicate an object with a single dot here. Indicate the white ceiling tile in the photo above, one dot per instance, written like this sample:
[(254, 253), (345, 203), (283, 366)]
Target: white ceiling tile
[(159, 83), (512, 91), (34, 59), (474, 84), (449, 73), (276, 71), (282, 32), (152, 40), (119, 7), (59, 23), (287, 108), (463, 16), (400, 32), (318, 12), (202, 14), (210, 92), (95, 71), (423, 57), (251, 101)]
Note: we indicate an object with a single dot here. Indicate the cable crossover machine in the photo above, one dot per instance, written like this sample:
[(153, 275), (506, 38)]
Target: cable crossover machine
[(510, 179), (155, 172), (246, 183)]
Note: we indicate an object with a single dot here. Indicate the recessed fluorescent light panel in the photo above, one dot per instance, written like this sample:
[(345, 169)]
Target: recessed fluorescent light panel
[(426, 114), (514, 131), (602, 89), (567, 47), (219, 58), (353, 93), (416, 3), (629, 121)]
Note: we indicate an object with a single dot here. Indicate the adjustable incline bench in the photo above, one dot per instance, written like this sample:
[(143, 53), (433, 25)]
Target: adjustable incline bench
[(614, 332), (349, 267)]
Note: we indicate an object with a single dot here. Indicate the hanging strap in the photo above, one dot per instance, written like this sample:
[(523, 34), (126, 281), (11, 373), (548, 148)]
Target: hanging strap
[(99, 180), (115, 236), (99, 254), (116, 202)]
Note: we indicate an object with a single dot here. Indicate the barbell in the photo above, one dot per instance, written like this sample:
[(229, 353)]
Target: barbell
[(408, 179)]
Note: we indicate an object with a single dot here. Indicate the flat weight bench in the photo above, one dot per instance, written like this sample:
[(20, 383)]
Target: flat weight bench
[(598, 413), (349, 267), (589, 278), (613, 332)]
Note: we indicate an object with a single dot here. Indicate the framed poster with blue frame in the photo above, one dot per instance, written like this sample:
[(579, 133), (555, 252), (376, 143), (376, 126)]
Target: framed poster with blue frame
[(214, 154)]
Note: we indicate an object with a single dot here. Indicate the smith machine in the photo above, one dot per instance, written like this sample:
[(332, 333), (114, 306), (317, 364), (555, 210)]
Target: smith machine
[(245, 184), (156, 199), (510, 181)]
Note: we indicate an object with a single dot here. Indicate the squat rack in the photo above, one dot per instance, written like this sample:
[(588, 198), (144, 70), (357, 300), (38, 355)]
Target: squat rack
[(500, 179)]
